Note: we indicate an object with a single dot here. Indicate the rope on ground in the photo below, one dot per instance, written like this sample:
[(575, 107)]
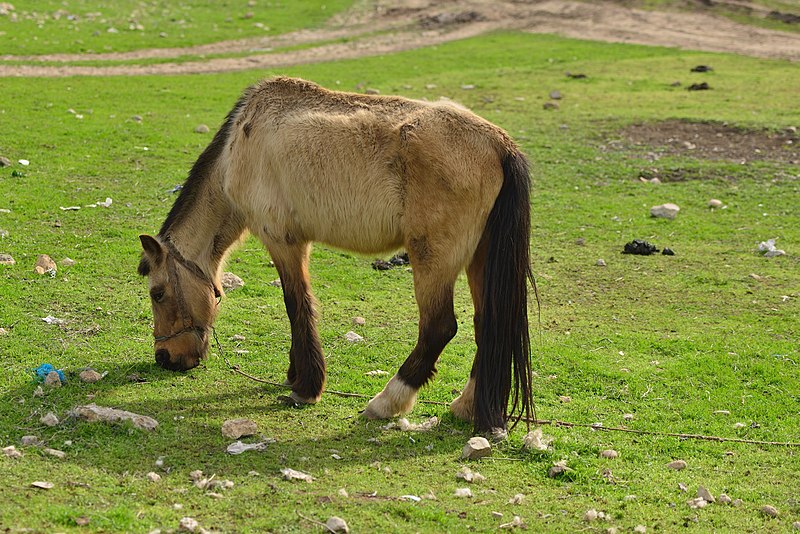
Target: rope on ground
[(541, 422)]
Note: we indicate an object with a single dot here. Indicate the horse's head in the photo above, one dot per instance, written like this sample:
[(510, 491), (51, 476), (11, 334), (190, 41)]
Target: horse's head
[(184, 302)]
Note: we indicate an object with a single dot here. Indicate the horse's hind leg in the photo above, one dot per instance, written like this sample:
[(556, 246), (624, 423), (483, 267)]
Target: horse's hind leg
[(437, 326), (306, 372), (463, 406)]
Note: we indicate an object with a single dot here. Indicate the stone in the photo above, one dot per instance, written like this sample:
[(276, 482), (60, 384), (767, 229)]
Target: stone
[(796, 525), (201, 129), (372, 91), (38, 392), (7, 259), (609, 454), (463, 493), (41, 484), (467, 475), (770, 511), (12, 452), (558, 469), (188, 524), (30, 441), (5, 162), (516, 499), (230, 282), (550, 105), (590, 515), (476, 447), (236, 428), (359, 321), (291, 474), (640, 529), (566, 399), (44, 264), (352, 337), (90, 376), (94, 414), (52, 379), (337, 524), (535, 440), (49, 419), (677, 465), (67, 262), (152, 476), (724, 499), (600, 263), (714, 203), (665, 211), (237, 447), (55, 452), (555, 95), (737, 503), (628, 417), (705, 494)]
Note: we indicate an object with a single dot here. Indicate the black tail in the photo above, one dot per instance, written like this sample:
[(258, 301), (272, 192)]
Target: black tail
[(504, 351)]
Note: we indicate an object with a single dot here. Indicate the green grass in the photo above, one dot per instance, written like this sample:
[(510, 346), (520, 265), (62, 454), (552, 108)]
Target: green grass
[(668, 339), (80, 26), (737, 12)]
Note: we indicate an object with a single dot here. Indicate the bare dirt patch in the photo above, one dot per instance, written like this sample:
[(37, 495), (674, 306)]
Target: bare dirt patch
[(376, 27), (712, 140)]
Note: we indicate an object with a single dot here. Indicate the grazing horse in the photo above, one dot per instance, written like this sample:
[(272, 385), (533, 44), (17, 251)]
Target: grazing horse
[(295, 163)]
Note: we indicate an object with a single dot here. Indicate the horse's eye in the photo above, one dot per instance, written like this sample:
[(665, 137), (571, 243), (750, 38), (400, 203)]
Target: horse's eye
[(157, 295)]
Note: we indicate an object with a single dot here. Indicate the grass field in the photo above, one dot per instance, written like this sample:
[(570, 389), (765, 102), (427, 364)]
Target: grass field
[(671, 340)]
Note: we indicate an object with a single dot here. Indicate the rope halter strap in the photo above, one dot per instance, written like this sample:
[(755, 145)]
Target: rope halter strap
[(174, 257)]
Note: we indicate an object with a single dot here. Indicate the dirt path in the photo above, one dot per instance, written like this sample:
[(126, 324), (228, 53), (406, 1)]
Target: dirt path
[(386, 26)]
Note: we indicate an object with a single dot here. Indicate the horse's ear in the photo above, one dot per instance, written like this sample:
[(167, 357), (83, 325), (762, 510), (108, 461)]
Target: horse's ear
[(153, 250)]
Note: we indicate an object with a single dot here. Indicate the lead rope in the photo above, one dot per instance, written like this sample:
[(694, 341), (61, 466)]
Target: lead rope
[(542, 422)]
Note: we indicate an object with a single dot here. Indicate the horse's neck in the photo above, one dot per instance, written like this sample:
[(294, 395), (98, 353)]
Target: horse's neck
[(206, 229)]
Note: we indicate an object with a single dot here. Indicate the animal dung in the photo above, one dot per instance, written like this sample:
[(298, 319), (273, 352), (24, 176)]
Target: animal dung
[(639, 247)]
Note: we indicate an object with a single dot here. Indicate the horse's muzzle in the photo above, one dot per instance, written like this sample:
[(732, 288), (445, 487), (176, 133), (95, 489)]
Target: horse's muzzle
[(175, 363)]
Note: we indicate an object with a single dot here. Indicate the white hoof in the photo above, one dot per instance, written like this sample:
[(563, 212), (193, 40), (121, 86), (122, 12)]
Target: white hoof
[(463, 406), (397, 398)]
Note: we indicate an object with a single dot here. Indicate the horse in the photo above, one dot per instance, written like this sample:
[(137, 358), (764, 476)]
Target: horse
[(295, 163)]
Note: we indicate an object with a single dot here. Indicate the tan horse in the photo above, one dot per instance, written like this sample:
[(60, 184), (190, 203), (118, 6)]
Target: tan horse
[(295, 163)]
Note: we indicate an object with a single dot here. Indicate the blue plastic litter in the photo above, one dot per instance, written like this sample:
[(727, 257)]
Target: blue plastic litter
[(45, 369)]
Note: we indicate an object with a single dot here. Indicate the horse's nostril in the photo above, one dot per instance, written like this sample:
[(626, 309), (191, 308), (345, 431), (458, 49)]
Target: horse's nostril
[(162, 357)]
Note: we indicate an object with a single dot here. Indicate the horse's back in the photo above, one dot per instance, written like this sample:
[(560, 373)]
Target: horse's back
[(356, 171)]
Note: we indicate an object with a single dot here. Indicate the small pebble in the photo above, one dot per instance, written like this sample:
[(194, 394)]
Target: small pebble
[(359, 321), (640, 529), (464, 493), (337, 524), (236, 428), (52, 379), (714, 203), (796, 525), (476, 447), (188, 524), (724, 499), (41, 484), (705, 494), (343, 493), (12, 452), (600, 262), (557, 470), (201, 128), (609, 453), (49, 419), (90, 376), (30, 441), (770, 511), (352, 337), (497, 515), (565, 399), (590, 515), (153, 476), (516, 499), (677, 465), (737, 502), (55, 452), (628, 417)]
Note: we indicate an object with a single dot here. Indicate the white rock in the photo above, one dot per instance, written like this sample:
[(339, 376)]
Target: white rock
[(236, 428), (476, 447), (30, 441), (770, 511), (343, 493), (516, 499), (464, 493), (666, 211), (467, 475), (497, 515), (516, 522), (640, 529), (536, 440), (714, 203), (628, 417), (590, 515), (609, 454), (359, 321), (600, 263), (49, 419), (94, 413), (230, 282), (406, 426), (24, 162), (796, 525), (697, 502), (55, 452), (12, 452), (705, 494), (352, 337), (67, 262), (41, 484), (188, 524), (337, 524), (291, 474), (677, 465), (153, 476), (7, 259)]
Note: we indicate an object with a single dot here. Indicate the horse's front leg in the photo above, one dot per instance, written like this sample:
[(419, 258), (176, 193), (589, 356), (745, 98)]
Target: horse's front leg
[(306, 372)]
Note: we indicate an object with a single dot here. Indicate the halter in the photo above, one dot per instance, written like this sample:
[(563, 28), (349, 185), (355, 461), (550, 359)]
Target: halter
[(173, 259)]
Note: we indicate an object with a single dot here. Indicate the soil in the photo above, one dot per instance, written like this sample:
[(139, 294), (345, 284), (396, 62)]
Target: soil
[(375, 27), (712, 140)]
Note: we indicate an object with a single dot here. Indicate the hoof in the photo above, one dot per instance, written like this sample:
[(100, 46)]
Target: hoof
[(397, 398), (296, 401)]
